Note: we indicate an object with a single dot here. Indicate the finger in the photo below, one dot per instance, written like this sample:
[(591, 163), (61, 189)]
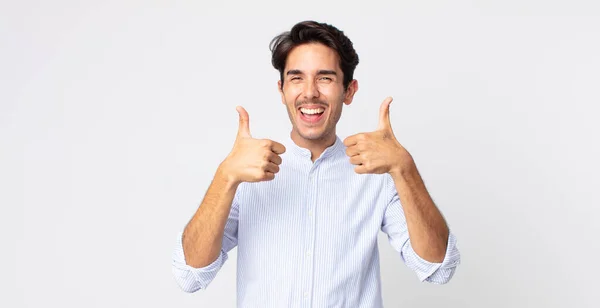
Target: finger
[(384, 114), (274, 158), (360, 169), (277, 147), (352, 151), (356, 160), (351, 140), (268, 176), (271, 167), (244, 125)]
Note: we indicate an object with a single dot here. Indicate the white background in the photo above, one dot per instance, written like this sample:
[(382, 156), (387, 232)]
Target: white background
[(115, 114)]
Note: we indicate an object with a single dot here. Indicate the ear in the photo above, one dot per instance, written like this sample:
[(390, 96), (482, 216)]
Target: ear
[(280, 91), (352, 89)]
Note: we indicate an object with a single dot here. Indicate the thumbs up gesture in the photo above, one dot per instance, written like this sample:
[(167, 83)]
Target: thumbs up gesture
[(378, 152), (252, 160)]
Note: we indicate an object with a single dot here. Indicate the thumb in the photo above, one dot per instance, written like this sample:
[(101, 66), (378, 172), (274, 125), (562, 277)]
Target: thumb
[(384, 114), (244, 126)]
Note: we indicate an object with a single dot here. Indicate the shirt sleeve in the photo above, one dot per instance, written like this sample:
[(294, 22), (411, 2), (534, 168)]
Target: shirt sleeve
[(192, 279), (394, 225)]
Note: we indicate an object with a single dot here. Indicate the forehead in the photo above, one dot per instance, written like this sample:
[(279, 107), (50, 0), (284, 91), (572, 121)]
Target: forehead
[(311, 57)]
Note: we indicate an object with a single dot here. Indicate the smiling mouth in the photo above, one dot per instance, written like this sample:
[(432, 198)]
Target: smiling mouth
[(311, 115)]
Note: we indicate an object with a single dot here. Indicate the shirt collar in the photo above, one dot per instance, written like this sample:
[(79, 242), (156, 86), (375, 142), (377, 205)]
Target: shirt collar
[(336, 147)]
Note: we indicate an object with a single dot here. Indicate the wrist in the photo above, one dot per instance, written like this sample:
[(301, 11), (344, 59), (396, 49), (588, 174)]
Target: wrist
[(227, 177), (407, 168)]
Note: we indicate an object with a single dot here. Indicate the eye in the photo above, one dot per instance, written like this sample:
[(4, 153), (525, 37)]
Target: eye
[(326, 79), (295, 78)]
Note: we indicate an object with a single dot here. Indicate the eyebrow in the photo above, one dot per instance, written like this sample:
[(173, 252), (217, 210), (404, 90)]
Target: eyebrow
[(319, 72)]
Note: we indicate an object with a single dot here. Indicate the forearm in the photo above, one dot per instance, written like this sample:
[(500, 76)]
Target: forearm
[(203, 235), (427, 228)]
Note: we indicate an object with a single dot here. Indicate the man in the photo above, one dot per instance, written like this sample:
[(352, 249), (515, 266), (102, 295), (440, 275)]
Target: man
[(305, 215)]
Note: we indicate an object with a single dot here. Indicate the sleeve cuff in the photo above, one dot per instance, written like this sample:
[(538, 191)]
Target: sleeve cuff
[(438, 273), (189, 278)]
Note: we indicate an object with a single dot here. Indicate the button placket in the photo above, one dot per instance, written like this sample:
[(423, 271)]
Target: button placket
[(311, 226)]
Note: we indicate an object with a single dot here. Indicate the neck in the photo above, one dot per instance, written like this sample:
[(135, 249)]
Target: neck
[(315, 146)]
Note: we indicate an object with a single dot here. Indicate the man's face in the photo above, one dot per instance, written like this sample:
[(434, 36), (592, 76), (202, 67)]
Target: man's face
[(313, 91)]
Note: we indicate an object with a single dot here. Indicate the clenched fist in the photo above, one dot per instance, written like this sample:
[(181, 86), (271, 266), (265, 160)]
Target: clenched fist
[(252, 160), (379, 151)]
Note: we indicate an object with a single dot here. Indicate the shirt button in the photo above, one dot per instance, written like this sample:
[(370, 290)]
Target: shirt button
[(305, 294), (308, 253), (310, 213)]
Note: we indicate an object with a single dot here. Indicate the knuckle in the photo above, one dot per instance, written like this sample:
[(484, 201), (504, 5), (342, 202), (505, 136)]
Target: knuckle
[(265, 143), (264, 164)]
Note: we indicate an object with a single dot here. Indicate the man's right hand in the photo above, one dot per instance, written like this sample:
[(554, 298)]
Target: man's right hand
[(252, 160)]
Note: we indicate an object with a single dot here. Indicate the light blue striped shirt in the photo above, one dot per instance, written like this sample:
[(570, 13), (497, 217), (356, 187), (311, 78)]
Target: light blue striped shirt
[(308, 238)]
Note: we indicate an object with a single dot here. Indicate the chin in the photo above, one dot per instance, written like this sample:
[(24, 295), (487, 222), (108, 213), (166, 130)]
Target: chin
[(312, 134)]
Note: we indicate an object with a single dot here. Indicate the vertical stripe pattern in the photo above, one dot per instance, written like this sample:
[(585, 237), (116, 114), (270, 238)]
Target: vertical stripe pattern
[(308, 238)]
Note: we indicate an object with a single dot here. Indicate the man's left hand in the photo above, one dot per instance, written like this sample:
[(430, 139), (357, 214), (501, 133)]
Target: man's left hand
[(379, 151)]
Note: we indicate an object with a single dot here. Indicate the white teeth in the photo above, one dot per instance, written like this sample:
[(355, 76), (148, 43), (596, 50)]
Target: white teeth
[(312, 111)]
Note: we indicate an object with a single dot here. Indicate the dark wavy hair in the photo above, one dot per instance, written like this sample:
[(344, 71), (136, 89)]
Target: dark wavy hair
[(314, 32)]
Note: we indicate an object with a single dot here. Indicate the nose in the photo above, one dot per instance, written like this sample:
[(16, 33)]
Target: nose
[(310, 90)]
